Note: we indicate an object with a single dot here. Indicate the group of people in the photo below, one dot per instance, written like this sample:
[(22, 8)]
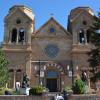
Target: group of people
[(62, 96), (59, 97)]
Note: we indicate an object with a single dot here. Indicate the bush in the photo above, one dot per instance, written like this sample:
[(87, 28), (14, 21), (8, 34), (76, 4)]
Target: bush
[(79, 87), (38, 90), (2, 90), (68, 90)]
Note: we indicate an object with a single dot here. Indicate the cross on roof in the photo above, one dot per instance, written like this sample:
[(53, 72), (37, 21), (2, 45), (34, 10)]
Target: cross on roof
[(52, 14)]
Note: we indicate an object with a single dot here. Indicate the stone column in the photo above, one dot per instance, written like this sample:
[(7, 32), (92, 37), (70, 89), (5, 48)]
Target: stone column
[(28, 67), (17, 36), (85, 36), (10, 37), (29, 33), (6, 33), (14, 82)]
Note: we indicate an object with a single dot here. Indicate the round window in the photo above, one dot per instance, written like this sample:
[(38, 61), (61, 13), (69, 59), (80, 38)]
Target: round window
[(51, 50)]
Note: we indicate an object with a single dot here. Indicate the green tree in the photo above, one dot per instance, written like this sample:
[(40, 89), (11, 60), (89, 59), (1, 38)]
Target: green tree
[(79, 87), (94, 54), (4, 75)]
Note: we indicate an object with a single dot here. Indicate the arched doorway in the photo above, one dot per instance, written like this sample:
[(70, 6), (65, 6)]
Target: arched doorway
[(51, 81), (53, 77)]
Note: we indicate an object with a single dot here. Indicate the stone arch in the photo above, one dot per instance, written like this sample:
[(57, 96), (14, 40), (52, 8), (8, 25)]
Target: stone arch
[(21, 35), (54, 65), (53, 75), (14, 35), (81, 36)]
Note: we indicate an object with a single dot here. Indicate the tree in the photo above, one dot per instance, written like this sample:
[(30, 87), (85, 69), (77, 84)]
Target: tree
[(4, 75), (79, 87), (94, 54)]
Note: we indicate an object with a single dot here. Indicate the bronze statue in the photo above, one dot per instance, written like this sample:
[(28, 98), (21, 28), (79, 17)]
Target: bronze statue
[(25, 83)]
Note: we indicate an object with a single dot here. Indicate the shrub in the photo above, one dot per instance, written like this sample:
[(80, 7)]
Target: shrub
[(2, 90), (68, 90), (38, 90), (79, 87)]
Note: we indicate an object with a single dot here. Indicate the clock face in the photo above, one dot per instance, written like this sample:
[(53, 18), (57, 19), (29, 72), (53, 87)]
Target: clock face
[(51, 50)]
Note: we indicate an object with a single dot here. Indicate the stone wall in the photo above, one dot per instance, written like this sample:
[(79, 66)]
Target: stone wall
[(24, 98), (85, 97), (74, 97)]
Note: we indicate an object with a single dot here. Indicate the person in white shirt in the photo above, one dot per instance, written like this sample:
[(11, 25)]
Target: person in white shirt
[(59, 97)]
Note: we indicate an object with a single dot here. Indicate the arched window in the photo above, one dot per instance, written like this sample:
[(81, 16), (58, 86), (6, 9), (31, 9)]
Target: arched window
[(18, 70), (81, 36), (14, 35), (21, 35), (52, 74), (11, 70), (88, 36)]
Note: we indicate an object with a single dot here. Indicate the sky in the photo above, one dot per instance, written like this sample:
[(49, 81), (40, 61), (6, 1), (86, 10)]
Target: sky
[(42, 9)]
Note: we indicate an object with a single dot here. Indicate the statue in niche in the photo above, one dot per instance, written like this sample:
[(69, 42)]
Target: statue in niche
[(25, 83), (84, 77)]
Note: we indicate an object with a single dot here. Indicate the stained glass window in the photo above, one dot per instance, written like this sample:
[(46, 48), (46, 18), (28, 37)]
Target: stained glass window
[(52, 30), (51, 50), (52, 74)]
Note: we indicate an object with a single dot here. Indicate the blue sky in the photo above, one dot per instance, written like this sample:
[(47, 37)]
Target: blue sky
[(43, 9)]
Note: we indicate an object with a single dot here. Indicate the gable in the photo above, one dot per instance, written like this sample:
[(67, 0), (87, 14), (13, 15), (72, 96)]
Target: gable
[(52, 29), (18, 13), (83, 15)]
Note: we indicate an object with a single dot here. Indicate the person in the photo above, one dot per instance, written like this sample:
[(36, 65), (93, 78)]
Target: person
[(56, 96), (7, 92), (59, 97), (84, 77), (65, 94), (18, 87)]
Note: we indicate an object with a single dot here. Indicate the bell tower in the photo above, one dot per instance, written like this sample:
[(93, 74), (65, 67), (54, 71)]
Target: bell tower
[(18, 30), (79, 21), (19, 25)]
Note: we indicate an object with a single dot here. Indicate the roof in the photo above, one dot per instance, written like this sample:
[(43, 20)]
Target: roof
[(52, 19), (27, 11)]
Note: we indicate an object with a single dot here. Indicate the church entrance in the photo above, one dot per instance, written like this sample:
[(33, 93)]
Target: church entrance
[(51, 81), (52, 85)]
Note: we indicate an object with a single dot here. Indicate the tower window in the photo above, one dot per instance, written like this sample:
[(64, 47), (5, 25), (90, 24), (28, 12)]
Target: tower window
[(88, 36), (21, 35), (14, 35), (81, 36), (18, 21), (18, 70), (11, 70), (84, 22)]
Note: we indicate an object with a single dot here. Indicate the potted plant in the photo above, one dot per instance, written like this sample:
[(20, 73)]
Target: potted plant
[(38, 90)]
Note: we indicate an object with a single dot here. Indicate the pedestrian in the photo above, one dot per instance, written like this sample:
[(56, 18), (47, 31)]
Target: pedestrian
[(59, 97), (65, 94), (56, 96)]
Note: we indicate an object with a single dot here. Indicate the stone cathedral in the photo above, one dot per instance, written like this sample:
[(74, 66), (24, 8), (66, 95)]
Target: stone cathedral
[(52, 55)]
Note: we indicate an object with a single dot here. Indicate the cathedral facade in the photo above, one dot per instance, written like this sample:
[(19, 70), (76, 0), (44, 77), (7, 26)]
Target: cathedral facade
[(52, 55)]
